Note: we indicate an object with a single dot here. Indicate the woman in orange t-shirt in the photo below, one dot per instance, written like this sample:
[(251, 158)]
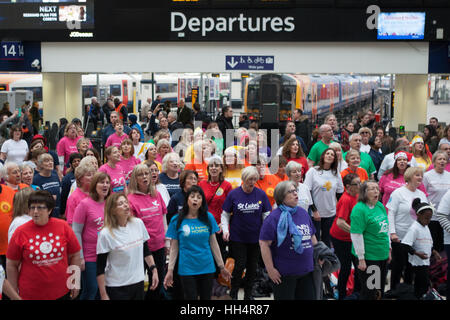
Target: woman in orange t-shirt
[(267, 182), (353, 160)]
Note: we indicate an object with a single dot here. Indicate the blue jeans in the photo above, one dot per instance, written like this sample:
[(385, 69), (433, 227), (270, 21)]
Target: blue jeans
[(89, 283)]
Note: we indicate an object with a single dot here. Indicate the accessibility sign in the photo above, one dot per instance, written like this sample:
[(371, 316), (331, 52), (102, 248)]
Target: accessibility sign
[(254, 63)]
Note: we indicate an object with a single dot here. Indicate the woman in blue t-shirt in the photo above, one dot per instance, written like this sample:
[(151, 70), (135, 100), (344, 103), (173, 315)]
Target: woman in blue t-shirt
[(192, 234)]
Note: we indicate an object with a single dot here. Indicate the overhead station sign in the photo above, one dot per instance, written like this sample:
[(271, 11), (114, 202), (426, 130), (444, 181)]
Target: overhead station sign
[(253, 63)]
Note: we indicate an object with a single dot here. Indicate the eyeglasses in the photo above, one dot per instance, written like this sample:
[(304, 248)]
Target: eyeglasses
[(293, 191), (39, 208), (365, 133), (355, 184)]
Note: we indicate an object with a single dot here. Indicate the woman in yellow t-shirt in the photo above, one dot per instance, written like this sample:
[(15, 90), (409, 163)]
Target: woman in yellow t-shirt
[(233, 166)]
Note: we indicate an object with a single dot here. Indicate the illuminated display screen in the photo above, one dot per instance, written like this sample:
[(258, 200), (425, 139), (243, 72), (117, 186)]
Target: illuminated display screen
[(401, 26), (22, 15)]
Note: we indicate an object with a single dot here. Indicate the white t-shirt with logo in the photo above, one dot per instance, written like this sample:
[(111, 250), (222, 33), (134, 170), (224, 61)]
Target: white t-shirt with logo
[(125, 263), (436, 185), (419, 237), (324, 185), (401, 214)]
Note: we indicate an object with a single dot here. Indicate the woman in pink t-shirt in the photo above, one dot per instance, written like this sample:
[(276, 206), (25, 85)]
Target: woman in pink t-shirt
[(87, 223), (127, 161), (147, 204), (67, 145), (116, 138), (114, 170), (83, 177), (162, 148)]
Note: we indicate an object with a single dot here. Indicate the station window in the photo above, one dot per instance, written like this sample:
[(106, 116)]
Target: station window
[(269, 93)]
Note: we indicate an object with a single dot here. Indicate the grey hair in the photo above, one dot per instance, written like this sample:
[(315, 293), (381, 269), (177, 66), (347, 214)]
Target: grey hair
[(362, 196), (82, 170), (43, 156), (353, 136), (249, 172), (281, 191), (4, 170), (167, 158), (173, 114), (291, 166), (439, 153)]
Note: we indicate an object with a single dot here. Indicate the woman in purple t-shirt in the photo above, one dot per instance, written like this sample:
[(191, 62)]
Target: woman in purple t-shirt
[(287, 238), (249, 206)]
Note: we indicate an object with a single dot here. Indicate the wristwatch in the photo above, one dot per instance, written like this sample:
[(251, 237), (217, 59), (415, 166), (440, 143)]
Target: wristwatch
[(153, 266)]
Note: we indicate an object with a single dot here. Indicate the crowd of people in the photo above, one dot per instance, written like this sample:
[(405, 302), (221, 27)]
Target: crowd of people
[(175, 201)]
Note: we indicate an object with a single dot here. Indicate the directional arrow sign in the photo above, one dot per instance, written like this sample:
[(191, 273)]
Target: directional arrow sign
[(254, 63)]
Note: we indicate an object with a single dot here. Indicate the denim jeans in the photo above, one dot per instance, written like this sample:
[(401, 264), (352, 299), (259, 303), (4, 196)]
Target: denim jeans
[(89, 286)]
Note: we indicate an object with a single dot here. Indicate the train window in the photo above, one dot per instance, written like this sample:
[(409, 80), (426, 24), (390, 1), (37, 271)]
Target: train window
[(37, 92), (253, 94), (115, 90), (166, 88), (89, 91), (269, 93), (288, 95)]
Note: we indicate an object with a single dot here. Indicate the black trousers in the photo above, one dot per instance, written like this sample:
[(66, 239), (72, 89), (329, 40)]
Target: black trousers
[(343, 250), (245, 256), (160, 261), (373, 279), (437, 233), (421, 280), (130, 292), (400, 267), (294, 288), (323, 230), (197, 286)]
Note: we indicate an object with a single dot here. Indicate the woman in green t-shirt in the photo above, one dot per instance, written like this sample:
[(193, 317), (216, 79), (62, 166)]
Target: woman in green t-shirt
[(370, 241)]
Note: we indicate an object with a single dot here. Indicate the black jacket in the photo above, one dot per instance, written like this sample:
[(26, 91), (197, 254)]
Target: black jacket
[(224, 124), (303, 129), (184, 115)]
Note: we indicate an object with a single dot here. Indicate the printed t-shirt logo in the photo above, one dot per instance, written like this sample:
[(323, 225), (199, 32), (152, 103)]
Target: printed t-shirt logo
[(219, 192), (5, 207), (46, 250), (327, 186)]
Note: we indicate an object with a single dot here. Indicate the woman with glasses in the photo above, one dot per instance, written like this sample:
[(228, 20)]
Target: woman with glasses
[(286, 240), (15, 149), (147, 204), (340, 231), (369, 232), (40, 253), (216, 190), (244, 210)]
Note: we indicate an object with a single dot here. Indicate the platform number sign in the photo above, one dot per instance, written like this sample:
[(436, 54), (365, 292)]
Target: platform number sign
[(12, 51)]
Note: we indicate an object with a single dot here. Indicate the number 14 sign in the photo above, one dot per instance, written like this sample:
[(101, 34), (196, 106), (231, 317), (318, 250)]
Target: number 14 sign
[(12, 51)]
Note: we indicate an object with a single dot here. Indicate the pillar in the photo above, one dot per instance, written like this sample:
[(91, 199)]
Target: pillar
[(410, 104), (62, 96)]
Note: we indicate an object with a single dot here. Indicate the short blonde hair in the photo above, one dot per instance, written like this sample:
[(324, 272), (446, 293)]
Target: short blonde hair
[(410, 172), (82, 170)]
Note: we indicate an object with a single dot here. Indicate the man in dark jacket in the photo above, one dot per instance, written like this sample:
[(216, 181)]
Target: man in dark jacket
[(201, 116), (302, 126), (225, 121), (156, 102), (244, 122), (184, 113)]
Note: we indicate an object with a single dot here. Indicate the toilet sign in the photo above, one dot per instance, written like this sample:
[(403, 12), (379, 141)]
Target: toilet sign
[(253, 63)]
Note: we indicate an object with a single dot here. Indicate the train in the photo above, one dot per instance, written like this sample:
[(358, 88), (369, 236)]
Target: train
[(131, 89), (315, 95)]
